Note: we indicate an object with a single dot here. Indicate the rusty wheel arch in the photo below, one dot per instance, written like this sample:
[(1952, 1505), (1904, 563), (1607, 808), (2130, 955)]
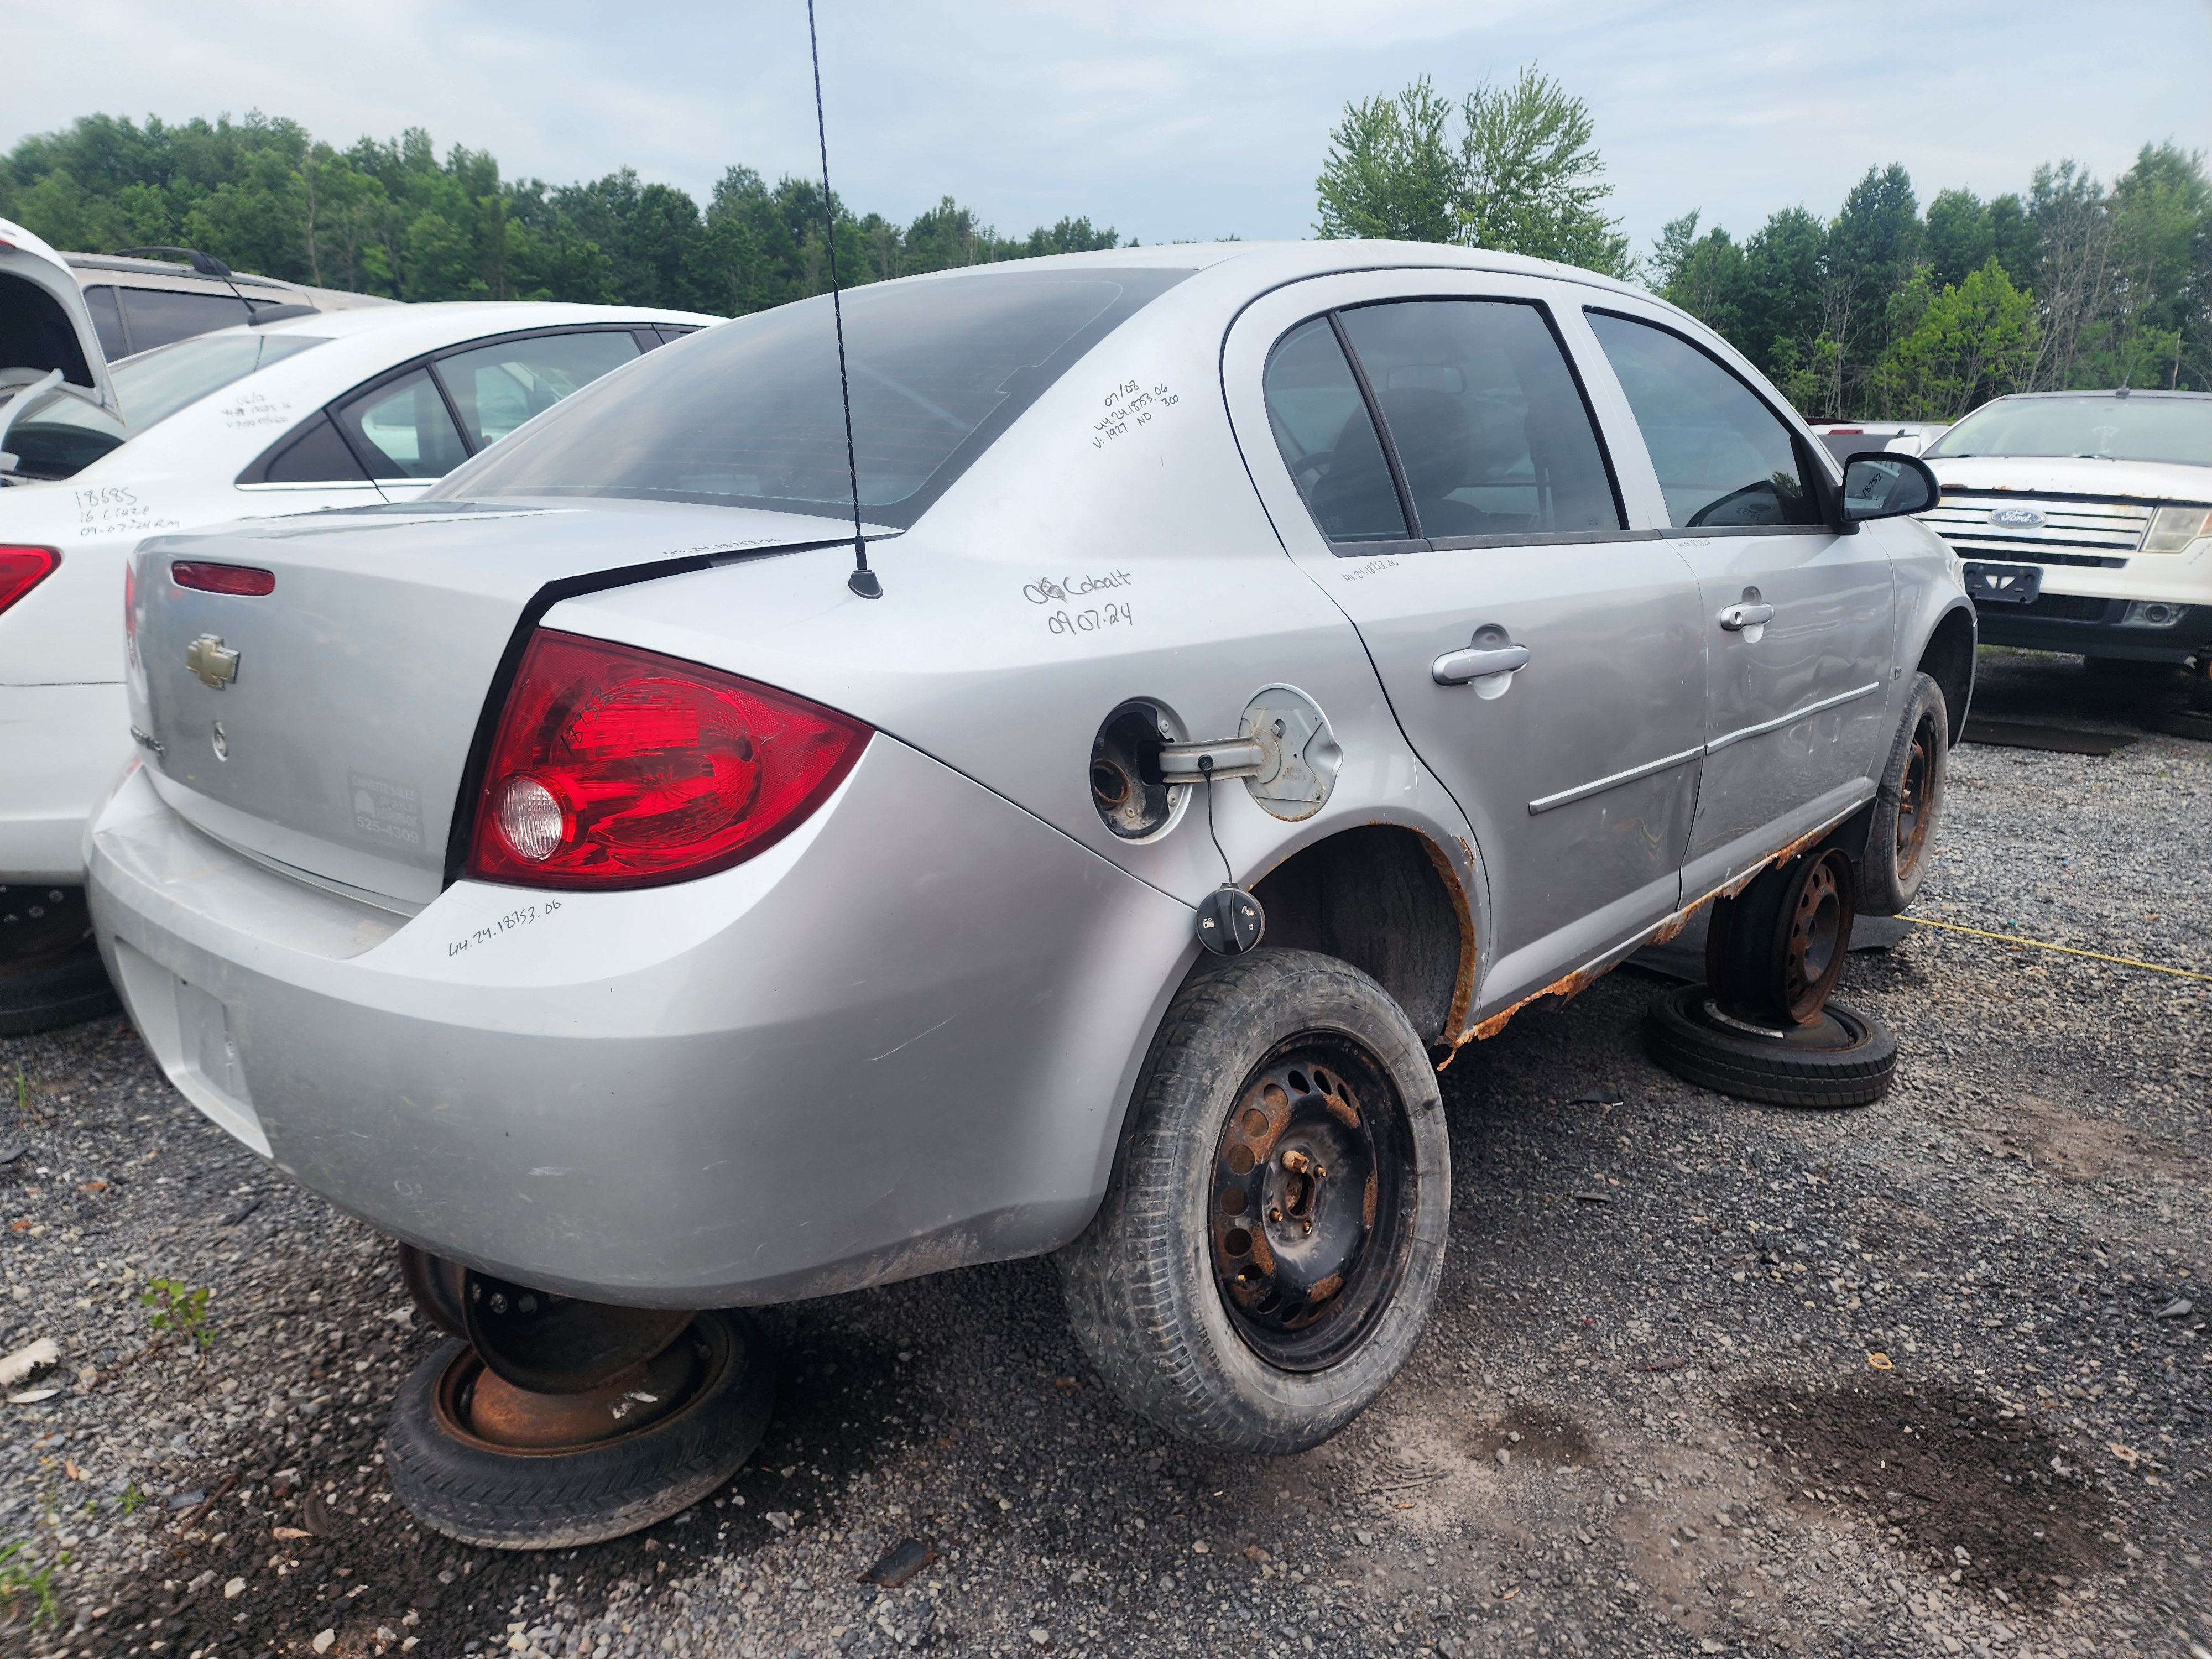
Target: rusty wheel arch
[(1386, 898)]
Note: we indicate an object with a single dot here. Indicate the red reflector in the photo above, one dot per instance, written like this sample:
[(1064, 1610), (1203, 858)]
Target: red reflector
[(22, 569), (222, 578), (619, 767)]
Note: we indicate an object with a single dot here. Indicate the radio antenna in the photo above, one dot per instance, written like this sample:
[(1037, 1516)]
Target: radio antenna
[(863, 580)]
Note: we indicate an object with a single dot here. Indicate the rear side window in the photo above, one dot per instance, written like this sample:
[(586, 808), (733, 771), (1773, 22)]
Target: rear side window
[(748, 413), (496, 388), (158, 316), (1328, 439), (1723, 457), (1491, 431), (401, 429), (317, 454)]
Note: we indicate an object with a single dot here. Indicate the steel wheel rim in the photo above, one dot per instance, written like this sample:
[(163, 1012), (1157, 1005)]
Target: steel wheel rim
[(1307, 1201), (1819, 936), (1912, 801), (646, 1396)]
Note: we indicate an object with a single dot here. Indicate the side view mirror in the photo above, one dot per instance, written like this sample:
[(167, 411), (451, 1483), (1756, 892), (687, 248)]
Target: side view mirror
[(1884, 486)]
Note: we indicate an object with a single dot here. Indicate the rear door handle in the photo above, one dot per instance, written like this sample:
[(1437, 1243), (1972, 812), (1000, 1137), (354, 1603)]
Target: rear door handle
[(1477, 662), (1737, 618)]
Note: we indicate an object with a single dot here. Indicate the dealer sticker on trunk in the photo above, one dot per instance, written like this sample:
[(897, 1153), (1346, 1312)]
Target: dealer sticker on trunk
[(390, 812)]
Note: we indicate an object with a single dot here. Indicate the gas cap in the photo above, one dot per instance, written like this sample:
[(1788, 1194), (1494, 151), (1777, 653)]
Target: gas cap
[(1300, 754)]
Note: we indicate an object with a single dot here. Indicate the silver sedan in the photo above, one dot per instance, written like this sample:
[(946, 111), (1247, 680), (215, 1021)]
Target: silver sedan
[(572, 874)]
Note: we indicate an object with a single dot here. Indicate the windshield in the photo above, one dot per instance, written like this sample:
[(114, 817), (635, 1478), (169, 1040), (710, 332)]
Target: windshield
[(746, 414), (2100, 426), (61, 434)]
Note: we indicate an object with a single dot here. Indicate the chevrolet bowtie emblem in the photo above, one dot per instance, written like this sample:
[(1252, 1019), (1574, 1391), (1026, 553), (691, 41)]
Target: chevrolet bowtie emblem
[(215, 663)]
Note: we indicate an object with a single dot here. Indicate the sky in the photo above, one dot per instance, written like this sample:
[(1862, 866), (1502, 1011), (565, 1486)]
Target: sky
[(1165, 118)]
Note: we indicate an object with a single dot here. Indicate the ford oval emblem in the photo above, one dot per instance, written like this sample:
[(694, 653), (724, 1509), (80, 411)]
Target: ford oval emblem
[(2017, 518)]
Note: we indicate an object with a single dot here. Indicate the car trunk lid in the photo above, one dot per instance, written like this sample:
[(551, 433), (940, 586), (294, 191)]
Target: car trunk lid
[(44, 326), (326, 724)]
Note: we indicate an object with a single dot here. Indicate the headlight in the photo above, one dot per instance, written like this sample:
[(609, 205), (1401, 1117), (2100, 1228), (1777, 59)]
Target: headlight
[(2152, 613), (2173, 528)]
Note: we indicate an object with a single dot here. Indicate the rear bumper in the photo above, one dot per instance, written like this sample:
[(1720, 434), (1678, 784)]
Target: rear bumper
[(900, 1040), (2095, 631), (60, 749)]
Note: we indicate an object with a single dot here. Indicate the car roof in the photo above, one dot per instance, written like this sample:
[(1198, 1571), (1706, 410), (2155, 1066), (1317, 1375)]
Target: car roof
[(408, 330), (2129, 392)]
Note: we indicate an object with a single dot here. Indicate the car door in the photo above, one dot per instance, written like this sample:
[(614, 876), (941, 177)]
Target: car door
[(1797, 615), (1542, 656)]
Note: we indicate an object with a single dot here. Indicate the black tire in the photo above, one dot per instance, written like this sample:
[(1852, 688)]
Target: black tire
[(1775, 951), (45, 996), (512, 1500), (1844, 1060), (1144, 1289), (1907, 804)]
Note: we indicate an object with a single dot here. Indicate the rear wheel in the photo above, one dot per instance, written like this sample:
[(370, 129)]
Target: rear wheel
[(51, 974), (1271, 1239), (479, 1460)]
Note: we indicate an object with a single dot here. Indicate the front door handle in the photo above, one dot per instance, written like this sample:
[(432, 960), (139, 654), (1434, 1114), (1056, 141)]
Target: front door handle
[(1478, 663), (1738, 617)]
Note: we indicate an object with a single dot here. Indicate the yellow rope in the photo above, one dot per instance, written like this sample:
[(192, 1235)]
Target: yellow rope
[(2014, 938)]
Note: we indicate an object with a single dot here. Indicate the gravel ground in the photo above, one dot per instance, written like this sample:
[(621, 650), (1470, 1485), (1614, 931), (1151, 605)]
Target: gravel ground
[(1705, 1377)]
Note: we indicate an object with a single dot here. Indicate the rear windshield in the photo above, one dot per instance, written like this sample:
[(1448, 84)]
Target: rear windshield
[(2103, 427), (746, 414), (61, 434), (154, 385)]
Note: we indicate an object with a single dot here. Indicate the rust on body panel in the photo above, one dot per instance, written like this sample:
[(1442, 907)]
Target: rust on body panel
[(1569, 986)]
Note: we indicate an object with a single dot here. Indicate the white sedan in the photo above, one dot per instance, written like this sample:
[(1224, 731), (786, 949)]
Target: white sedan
[(340, 410)]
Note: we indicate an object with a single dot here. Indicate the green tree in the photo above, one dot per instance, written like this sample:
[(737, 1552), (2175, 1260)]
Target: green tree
[(1531, 181), (1389, 171), (394, 217), (1964, 345)]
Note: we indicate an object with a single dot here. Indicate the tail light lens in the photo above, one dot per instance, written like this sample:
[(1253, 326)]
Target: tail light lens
[(241, 578), (619, 767), (22, 569)]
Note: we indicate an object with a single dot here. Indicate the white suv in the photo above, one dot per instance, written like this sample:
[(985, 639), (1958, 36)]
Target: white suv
[(2085, 518)]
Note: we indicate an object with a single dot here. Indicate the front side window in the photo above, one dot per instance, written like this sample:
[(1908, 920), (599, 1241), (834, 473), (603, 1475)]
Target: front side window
[(1328, 439), (1490, 430), (1723, 457), (158, 316), (401, 429), (497, 387), (748, 413)]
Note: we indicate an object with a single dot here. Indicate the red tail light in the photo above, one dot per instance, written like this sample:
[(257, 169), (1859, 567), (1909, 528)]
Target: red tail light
[(619, 767), (22, 569), (222, 578)]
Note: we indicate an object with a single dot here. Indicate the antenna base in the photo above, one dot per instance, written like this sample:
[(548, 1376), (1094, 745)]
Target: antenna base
[(864, 583)]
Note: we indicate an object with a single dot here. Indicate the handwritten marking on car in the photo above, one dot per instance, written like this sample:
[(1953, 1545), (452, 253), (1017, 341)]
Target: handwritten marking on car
[(1045, 590), (1091, 621), (116, 510), (1128, 406), (249, 410), (499, 926), (1371, 567)]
